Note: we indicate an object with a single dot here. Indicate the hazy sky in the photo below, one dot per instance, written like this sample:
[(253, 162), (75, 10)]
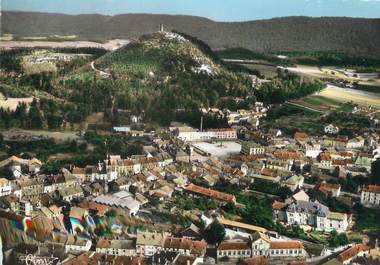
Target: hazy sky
[(221, 10)]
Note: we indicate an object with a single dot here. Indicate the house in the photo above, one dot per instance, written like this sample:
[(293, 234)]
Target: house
[(370, 196), (116, 247), (299, 210), (79, 173), (287, 249), (357, 250), (212, 194), (234, 249), (191, 232), (252, 148), (331, 129), (16, 205), (30, 188), (148, 243), (332, 190), (70, 193), (356, 143), (325, 160), (364, 160), (5, 187), (301, 137), (294, 182), (185, 246), (18, 165)]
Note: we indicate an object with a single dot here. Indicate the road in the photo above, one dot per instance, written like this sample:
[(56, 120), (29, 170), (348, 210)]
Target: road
[(303, 107), (102, 73), (238, 61)]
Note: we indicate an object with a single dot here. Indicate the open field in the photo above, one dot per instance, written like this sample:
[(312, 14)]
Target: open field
[(59, 136), (330, 73), (323, 104), (110, 45), (266, 70), (351, 95)]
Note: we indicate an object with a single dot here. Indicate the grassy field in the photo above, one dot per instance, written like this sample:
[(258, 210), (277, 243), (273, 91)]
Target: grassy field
[(266, 70), (324, 104), (349, 95)]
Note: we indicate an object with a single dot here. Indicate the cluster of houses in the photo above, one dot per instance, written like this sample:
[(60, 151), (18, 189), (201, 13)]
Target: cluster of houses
[(166, 171)]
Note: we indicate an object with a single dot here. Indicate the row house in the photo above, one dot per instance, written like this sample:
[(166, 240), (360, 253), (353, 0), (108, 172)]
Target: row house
[(234, 249), (293, 249), (185, 246), (149, 243), (358, 250), (116, 247), (370, 196), (212, 194), (30, 188), (260, 245), (356, 143)]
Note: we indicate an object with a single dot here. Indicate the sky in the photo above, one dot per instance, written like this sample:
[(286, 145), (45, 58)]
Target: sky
[(219, 10)]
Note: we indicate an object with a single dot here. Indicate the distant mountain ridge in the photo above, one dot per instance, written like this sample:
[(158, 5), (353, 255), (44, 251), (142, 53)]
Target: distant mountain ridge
[(353, 36)]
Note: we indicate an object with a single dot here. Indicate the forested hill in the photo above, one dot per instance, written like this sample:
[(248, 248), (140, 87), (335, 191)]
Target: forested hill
[(354, 36)]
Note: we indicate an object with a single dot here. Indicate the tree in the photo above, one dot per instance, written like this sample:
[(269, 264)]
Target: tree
[(214, 233), (375, 171), (337, 240)]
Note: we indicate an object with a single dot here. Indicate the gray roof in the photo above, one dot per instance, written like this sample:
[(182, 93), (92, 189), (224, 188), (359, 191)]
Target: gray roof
[(309, 207)]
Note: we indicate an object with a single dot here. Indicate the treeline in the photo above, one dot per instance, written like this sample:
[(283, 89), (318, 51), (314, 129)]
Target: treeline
[(42, 114), (287, 87)]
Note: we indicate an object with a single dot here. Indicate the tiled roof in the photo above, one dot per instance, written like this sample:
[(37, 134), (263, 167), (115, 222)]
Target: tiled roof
[(195, 247), (276, 205), (286, 245), (337, 216), (352, 252), (233, 245), (210, 193), (372, 188), (328, 187), (236, 224)]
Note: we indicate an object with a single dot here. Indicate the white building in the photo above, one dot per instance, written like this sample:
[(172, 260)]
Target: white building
[(309, 214), (148, 243), (370, 196), (116, 247), (5, 187), (260, 244), (77, 245), (234, 249), (287, 249), (188, 134), (252, 148)]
